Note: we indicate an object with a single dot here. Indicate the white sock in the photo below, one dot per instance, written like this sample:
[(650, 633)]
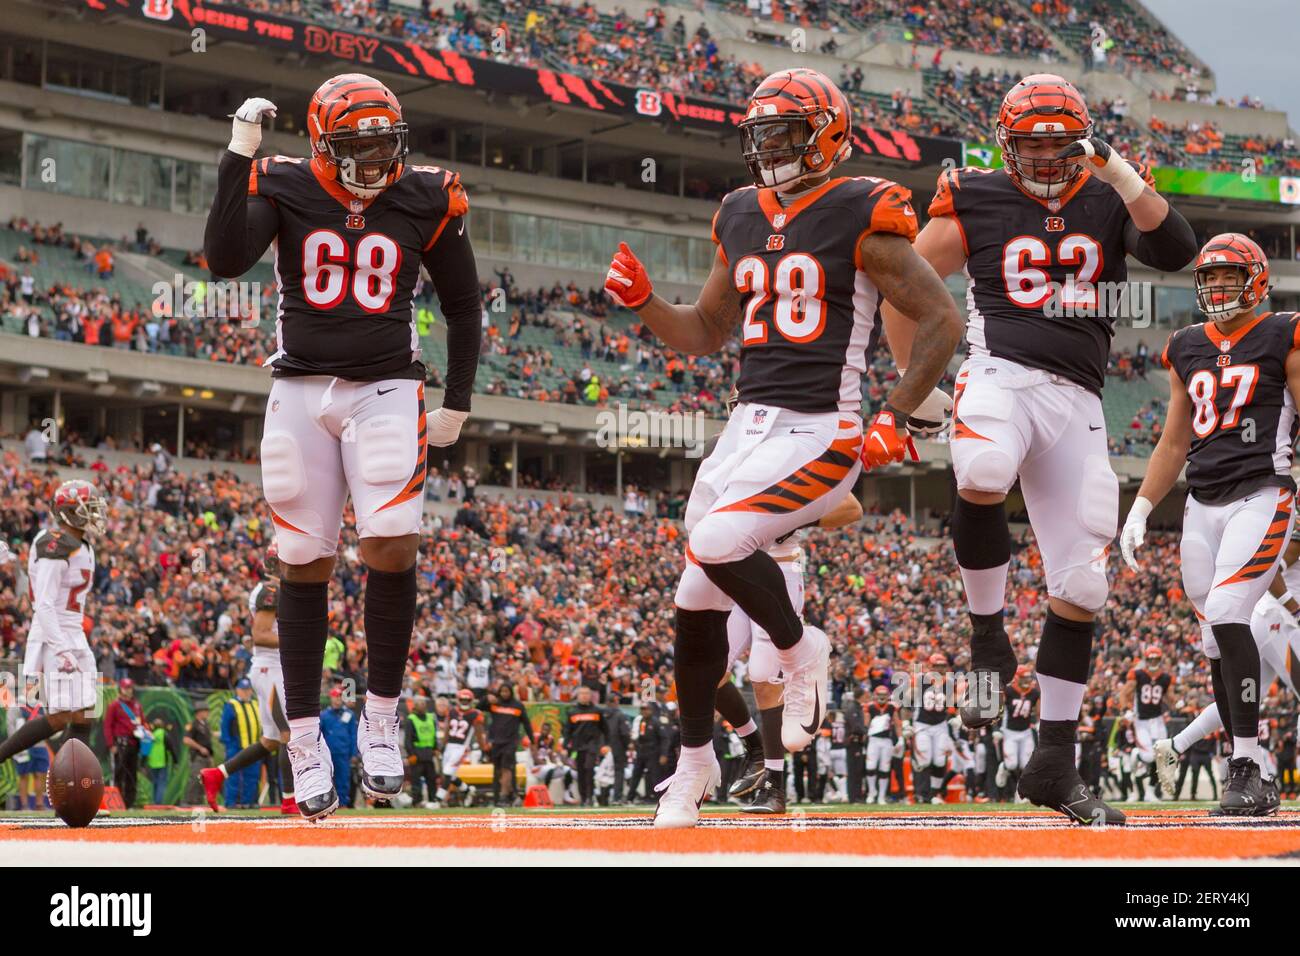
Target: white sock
[(774, 765), (377, 706), (748, 728), (696, 757), (1248, 747), (1062, 699), (986, 588), (1205, 723), (304, 727)]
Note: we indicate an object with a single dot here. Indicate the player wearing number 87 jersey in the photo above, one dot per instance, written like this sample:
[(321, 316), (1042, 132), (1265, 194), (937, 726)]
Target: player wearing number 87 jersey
[(346, 414), (803, 263), (1234, 385), (1035, 239)]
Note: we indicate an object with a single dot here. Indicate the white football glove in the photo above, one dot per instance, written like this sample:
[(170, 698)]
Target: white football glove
[(1135, 530), (932, 416), (444, 426), (1107, 165), (246, 131)]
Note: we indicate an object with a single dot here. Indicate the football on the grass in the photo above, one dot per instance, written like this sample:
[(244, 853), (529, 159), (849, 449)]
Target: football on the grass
[(75, 784)]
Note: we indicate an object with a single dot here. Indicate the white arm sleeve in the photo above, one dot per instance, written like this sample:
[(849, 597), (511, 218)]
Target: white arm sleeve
[(46, 579)]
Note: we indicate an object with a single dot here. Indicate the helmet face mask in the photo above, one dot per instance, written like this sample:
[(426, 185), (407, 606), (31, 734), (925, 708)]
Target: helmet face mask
[(1231, 276), (798, 125), (1040, 116), (366, 157)]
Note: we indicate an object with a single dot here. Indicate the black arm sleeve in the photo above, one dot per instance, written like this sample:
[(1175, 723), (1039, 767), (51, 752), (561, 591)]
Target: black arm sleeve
[(454, 272), (240, 227), (1167, 248)]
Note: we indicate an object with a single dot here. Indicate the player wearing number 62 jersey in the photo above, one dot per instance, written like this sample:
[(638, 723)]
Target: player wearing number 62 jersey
[(1234, 384), (1036, 240), (346, 416), (803, 264)]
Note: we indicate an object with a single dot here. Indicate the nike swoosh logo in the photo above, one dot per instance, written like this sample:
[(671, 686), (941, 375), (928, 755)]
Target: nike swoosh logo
[(461, 230), (805, 431), (1093, 428), (817, 704), (385, 391), (1249, 498)]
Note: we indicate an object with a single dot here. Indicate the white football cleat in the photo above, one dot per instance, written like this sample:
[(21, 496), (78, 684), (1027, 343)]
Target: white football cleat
[(805, 682), (683, 794), (382, 774), (1003, 775), (313, 777), (1167, 766)]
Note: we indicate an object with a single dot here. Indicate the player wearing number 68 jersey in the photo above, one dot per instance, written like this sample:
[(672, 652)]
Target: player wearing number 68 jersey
[(351, 227), (1234, 384), (1037, 239)]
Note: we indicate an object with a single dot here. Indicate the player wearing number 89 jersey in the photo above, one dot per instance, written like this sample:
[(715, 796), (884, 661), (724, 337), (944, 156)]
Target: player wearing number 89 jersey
[(346, 415), (1234, 384), (1036, 240)]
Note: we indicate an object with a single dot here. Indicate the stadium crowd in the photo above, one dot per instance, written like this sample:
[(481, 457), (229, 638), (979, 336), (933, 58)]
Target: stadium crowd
[(555, 595)]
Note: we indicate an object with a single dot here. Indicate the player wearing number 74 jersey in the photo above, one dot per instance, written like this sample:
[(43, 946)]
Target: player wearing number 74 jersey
[(1234, 384), (1041, 240), (346, 414)]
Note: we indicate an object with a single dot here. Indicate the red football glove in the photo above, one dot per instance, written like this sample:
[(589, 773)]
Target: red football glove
[(627, 282), (883, 444)]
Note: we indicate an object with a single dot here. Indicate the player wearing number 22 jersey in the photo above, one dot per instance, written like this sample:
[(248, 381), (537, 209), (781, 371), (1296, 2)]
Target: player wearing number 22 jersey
[(351, 227), (1234, 383), (804, 261), (1042, 242)]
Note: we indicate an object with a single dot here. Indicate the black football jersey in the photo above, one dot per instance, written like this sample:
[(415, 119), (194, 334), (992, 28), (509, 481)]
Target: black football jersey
[(347, 268), (1021, 252), (460, 723), (1020, 706), (875, 710), (1243, 417), (1150, 695), (811, 316), (933, 702)]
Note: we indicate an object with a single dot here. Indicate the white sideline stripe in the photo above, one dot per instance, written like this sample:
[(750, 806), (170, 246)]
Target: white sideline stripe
[(76, 853)]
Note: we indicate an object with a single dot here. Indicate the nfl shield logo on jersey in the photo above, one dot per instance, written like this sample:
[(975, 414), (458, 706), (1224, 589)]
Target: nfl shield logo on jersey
[(778, 221), (759, 415)]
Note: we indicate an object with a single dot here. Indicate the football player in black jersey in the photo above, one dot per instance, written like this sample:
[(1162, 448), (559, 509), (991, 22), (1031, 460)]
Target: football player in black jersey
[(1036, 238), (1234, 384), (804, 260), (1144, 693), (346, 416)]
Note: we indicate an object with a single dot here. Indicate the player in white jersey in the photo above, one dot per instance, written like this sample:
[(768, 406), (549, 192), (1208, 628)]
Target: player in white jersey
[(267, 679), (58, 666), (1274, 626)]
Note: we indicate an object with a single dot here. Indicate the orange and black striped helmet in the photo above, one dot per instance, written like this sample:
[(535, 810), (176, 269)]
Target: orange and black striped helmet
[(798, 124), (1042, 106), (357, 133), (1221, 300)]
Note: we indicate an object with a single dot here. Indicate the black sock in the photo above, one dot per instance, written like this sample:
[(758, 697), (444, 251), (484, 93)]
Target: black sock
[(730, 703), (302, 619), (1065, 650), (1241, 678), (286, 771), (253, 753), (389, 618), (1057, 733), (28, 735), (757, 584), (777, 779), (79, 731), (699, 660), (1221, 695), (770, 720)]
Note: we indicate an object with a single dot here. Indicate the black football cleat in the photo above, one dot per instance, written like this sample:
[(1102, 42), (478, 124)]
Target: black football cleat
[(1248, 794), (751, 776), (769, 798), (1051, 780), (993, 666)]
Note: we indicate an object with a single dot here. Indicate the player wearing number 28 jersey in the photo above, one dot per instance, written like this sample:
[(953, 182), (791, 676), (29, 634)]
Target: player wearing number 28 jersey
[(1234, 384), (1035, 239), (803, 264), (351, 227)]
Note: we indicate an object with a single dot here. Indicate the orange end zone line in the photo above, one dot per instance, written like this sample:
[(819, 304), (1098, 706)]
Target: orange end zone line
[(1114, 843)]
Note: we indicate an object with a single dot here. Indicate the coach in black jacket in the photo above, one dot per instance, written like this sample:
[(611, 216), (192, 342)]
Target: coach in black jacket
[(585, 732), (620, 738)]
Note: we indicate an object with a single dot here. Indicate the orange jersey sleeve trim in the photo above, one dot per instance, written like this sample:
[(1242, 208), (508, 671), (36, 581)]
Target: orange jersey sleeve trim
[(457, 205)]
